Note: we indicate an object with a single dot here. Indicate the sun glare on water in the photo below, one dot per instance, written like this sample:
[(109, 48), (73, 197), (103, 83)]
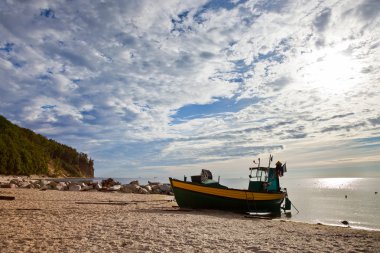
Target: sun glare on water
[(336, 183)]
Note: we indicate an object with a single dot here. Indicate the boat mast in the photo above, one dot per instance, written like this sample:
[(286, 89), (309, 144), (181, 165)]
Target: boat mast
[(270, 159)]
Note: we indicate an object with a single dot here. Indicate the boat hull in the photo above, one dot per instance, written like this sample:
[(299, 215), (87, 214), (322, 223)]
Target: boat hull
[(197, 196)]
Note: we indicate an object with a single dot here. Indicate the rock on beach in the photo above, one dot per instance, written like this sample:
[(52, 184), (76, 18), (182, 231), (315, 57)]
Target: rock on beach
[(107, 185)]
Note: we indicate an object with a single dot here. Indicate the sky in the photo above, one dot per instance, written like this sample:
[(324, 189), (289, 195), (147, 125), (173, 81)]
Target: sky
[(167, 88)]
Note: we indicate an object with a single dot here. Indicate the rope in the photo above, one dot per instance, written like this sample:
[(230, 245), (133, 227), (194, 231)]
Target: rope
[(295, 207)]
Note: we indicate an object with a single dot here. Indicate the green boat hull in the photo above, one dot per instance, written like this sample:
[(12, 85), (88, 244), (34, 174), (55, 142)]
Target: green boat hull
[(198, 200)]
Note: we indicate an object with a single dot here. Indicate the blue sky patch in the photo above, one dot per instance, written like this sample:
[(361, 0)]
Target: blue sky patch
[(8, 47), (222, 105), (76, 81), (217, 4), (16, 63), (47, 107), (47, 13)]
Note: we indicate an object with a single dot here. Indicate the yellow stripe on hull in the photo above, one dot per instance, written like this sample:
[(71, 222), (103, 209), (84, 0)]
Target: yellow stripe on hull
[(228, 193)]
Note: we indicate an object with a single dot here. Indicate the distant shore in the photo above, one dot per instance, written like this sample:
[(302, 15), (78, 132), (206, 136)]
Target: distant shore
[(89, 221)]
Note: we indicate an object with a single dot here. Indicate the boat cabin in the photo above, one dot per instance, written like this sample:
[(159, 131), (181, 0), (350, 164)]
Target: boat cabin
[(264, 179)]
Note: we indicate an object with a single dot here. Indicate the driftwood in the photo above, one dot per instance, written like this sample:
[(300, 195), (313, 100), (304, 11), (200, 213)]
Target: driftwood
[(7, 198)]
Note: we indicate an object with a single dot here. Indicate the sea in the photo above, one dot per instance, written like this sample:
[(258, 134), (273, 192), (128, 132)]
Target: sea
[(327, 201)]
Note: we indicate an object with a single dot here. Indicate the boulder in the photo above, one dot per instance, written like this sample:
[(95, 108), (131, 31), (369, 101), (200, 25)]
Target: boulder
[(115, 188), (156, 189), (98, 186), (25, 185), (43, 182), (74, 187), (109, 183), (87, 187), (52, 185), (126, 189), (30, 186), (130, 188), (165, 188), (153, 183), (136, 182), (36, 185), (143, 191), (13, 186), (148, 188), (60, 187), (16, 181)]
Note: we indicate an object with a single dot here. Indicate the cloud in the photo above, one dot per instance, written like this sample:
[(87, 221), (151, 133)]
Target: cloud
[(139, 84), (374, 121), (368, 9), (322, 19)]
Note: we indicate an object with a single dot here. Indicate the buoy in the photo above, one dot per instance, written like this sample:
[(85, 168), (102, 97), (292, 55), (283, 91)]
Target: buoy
[(375, 192), (345, 196), (345, 222)]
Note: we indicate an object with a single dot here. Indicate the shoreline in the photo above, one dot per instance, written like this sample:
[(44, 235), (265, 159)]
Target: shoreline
[(331, 225)]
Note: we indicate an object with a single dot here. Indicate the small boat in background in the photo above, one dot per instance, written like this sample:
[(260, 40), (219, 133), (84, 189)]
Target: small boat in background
[(263, 195)]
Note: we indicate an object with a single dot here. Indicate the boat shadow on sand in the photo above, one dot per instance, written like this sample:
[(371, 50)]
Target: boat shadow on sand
[(208, 212)]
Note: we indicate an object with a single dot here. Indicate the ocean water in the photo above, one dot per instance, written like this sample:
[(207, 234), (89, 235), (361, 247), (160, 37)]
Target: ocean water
[(320, 200), (323, 200)]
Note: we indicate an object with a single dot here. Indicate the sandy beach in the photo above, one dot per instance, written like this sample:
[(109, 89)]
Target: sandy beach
[(64, 221)]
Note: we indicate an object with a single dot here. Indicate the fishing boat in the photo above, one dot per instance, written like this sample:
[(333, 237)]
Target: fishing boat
[(264, 193)]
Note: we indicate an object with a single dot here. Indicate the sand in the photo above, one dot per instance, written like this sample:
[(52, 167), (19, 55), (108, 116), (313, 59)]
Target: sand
[(54, 221)]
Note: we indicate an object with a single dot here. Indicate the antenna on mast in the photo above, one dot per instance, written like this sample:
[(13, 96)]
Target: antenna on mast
[(270, 160)]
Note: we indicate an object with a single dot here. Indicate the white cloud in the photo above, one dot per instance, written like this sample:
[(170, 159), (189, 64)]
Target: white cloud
[(118, 73)]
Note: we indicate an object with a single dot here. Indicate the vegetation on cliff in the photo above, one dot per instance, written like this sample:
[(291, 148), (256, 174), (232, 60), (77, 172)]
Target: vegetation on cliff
[(23, 152)]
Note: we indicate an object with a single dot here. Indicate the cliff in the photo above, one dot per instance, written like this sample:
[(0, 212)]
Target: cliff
[(23, 152)]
